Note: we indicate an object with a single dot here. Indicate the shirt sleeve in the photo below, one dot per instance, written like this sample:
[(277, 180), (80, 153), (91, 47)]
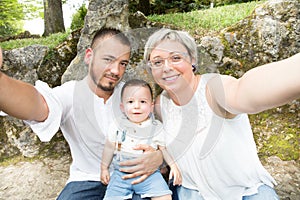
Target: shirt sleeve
[(159, 137), (47, 129), (112, 136)]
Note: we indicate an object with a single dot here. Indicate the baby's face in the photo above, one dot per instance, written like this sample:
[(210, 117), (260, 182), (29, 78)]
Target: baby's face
[(137, 103)]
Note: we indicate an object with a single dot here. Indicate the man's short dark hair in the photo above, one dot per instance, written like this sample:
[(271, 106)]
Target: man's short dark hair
[(105, 32)]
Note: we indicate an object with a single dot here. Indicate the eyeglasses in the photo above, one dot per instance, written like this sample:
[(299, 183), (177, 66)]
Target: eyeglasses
[(174, 59)]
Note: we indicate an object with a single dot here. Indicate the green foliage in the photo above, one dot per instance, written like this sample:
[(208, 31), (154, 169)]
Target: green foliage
[(50, 41), (78, 18), (14, 12), (11, 12), (32, 8)]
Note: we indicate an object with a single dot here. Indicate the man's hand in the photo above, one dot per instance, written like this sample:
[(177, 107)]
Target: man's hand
[(144, 165)]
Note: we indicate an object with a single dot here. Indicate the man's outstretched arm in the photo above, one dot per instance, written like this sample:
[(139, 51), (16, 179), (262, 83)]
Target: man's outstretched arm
[(20, 99)]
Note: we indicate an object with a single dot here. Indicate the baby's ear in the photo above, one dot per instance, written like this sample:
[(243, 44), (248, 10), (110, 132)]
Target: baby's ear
[(122, 107), (152, 107)]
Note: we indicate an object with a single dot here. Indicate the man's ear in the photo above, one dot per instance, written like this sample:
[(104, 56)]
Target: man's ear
[(88, 56)]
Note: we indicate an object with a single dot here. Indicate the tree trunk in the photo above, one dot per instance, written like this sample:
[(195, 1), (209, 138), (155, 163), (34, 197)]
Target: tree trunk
[(53, 17), (144, 6)]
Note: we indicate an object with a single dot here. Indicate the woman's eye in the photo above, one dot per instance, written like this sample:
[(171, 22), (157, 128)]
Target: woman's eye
[(176, 58), (158, 62)]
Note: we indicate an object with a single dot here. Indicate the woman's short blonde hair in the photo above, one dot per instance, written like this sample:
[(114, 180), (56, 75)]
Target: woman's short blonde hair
[(167, 34)]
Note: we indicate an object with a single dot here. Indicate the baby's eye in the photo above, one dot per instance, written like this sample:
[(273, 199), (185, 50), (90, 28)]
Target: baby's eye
[(130, 101), (143, 101)]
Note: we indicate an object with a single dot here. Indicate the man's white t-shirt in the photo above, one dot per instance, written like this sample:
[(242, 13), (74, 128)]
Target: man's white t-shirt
[(83, 119)]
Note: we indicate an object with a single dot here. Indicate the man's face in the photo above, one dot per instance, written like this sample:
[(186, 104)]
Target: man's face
[(107, 63)]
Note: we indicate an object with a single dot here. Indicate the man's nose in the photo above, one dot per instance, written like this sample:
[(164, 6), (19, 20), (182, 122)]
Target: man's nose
[(114, 68)]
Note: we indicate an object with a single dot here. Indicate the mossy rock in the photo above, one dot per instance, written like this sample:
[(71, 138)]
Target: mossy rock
[(276, 132)]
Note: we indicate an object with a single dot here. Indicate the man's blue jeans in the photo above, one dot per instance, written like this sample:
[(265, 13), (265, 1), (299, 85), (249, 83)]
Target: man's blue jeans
[(86, 190)]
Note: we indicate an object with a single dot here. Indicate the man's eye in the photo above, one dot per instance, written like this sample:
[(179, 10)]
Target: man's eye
[(124, 64), (107, 60)]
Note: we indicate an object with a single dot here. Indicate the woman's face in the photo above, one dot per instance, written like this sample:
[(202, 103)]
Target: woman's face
[(173, 71)]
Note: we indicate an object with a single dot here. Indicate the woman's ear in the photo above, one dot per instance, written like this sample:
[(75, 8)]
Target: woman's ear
[(88, 56)]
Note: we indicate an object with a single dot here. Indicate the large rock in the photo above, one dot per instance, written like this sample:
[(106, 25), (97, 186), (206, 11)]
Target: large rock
[(270, 33), (100, 14)]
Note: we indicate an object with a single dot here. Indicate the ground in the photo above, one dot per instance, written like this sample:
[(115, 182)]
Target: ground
[(44, 178)]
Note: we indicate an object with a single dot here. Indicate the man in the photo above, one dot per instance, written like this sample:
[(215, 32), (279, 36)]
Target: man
[(82, 110)]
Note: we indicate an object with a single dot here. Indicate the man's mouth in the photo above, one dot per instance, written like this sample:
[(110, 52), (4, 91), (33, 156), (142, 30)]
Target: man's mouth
[(112, 77)]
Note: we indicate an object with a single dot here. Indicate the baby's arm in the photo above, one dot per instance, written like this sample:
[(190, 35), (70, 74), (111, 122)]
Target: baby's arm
[(107, 156), (174, 172)]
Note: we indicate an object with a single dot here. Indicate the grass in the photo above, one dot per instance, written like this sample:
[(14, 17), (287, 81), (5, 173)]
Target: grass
[(208, 20), (50, 41)]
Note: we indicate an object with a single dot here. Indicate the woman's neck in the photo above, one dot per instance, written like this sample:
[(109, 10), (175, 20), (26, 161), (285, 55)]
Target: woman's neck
[(184, 96)]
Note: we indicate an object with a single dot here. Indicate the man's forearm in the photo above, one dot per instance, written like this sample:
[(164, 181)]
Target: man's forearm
[(21, 100)]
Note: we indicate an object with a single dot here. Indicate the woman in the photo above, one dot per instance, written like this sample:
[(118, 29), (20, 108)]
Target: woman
[(208, 131)]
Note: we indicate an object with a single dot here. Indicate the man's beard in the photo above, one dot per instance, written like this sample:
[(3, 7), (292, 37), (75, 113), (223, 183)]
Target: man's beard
[(107, 88)]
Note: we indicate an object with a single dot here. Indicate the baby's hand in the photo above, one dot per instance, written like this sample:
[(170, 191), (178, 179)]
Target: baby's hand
[(105, 176), (175, 173)]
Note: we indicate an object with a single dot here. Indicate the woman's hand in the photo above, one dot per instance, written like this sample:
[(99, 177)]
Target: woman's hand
[(105, 176), (144, 165)]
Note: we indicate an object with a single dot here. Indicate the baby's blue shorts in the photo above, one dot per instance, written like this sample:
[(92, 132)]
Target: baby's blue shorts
[(153, 186)]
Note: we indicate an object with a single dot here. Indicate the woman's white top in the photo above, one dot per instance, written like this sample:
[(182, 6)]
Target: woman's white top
[(216, 156)]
